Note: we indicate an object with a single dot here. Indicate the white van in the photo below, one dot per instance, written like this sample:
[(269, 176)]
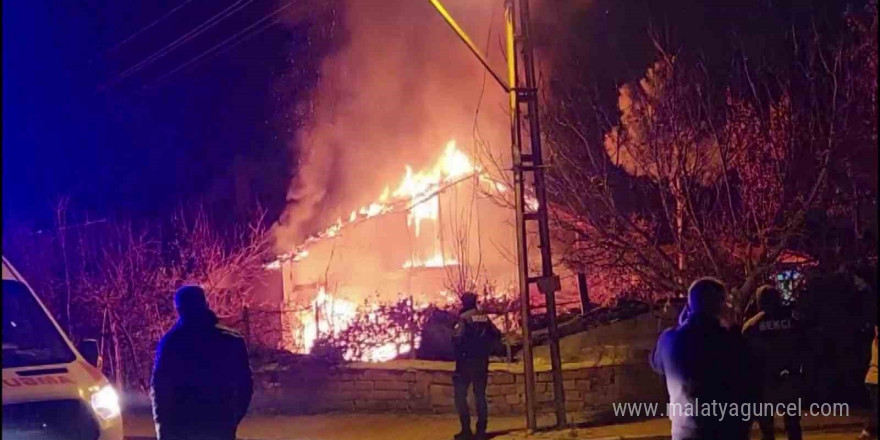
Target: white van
[(51, 390)]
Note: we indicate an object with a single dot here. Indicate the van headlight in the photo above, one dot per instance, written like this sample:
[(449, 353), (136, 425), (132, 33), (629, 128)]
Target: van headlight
[(105, 403)]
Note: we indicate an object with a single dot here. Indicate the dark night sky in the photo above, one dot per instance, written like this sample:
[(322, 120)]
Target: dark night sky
[(137, 149)]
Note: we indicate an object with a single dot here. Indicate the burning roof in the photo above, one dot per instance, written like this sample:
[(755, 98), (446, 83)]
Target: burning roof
[(416, 194)]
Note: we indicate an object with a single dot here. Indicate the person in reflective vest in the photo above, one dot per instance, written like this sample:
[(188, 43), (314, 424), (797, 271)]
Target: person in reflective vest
[(775, 341), (473, 337)]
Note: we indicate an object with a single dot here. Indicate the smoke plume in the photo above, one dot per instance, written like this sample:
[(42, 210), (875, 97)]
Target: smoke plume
[(399, 89)]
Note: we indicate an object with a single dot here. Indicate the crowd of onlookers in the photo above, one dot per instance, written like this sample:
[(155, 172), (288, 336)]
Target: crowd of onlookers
[(707, 363), (202, 385)]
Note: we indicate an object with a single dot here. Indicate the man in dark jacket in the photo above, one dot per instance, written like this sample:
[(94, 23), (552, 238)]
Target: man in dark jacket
[(473, 338), (201, 385), (703, 362), (775, 340)]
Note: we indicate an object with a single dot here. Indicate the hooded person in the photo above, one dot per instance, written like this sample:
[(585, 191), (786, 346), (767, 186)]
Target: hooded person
[(473, 337), (776, 342), (201, 385), (705, 366)]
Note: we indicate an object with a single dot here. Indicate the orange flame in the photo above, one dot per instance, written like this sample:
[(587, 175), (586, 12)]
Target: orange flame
[(327, 315), (418, 193), (416, 190), (436, 260), (332, 315)]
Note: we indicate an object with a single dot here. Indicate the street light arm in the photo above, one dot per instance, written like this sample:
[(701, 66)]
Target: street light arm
[(467, 41)]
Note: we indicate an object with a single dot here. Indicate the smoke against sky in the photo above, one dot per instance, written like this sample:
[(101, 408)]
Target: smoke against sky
[(399, 89)]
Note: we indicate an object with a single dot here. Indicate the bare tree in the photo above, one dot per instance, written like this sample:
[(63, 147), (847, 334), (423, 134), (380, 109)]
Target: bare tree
[(687, 181), (61, 228), (226, 263), (120, 277), (459, 226)]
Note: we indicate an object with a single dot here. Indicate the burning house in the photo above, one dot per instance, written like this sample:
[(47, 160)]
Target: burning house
[(437, 231), (393, 93)]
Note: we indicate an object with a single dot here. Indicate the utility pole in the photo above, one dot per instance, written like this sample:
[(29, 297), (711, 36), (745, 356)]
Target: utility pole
[(526, 161)]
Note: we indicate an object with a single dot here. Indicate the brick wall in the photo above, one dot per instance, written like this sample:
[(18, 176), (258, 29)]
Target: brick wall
[(426, 387)]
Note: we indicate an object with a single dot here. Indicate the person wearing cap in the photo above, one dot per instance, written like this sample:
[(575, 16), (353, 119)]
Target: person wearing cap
[(775, 341), (704, 363), (201, 385), (473, 337)]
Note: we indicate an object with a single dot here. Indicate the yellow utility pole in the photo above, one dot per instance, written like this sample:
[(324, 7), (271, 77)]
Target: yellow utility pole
[(528, 160)]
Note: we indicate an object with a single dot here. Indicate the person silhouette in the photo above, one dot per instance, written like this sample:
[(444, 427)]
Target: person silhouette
[(201, 385), (703, 363)]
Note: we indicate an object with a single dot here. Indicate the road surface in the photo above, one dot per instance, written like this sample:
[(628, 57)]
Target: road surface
[(428, 427)]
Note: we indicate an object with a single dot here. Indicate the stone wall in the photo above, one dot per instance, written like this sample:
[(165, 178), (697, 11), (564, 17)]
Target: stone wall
[(426, 387), (632, 337)]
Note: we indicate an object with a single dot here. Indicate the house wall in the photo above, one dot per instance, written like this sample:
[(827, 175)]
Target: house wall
[(367, 258)]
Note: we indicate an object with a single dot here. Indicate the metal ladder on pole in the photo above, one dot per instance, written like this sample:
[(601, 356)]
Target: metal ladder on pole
[(526, 162), (528, 165)]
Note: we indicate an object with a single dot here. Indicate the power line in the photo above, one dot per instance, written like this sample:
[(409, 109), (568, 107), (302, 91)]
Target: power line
[(198, 30), (253, 31), (157, 21), (64, 228)]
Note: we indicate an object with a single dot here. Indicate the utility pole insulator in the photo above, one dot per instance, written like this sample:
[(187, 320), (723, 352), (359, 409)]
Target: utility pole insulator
[(526, 93)]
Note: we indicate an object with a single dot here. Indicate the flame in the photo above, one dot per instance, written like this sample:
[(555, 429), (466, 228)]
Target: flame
[(333, 315), (420, 188), (532, 204), (496, 185), (332, 231), (386, 193), (436, 260), (373, 210), (387, 352), (417, 191), (327, 315), (300, 255), (453, 164), (426, 210)]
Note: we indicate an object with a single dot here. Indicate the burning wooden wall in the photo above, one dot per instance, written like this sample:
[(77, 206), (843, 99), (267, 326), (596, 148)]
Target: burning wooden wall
[(441, 230)]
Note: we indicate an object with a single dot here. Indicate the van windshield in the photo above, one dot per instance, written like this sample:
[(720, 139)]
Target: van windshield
[(29, 337)]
